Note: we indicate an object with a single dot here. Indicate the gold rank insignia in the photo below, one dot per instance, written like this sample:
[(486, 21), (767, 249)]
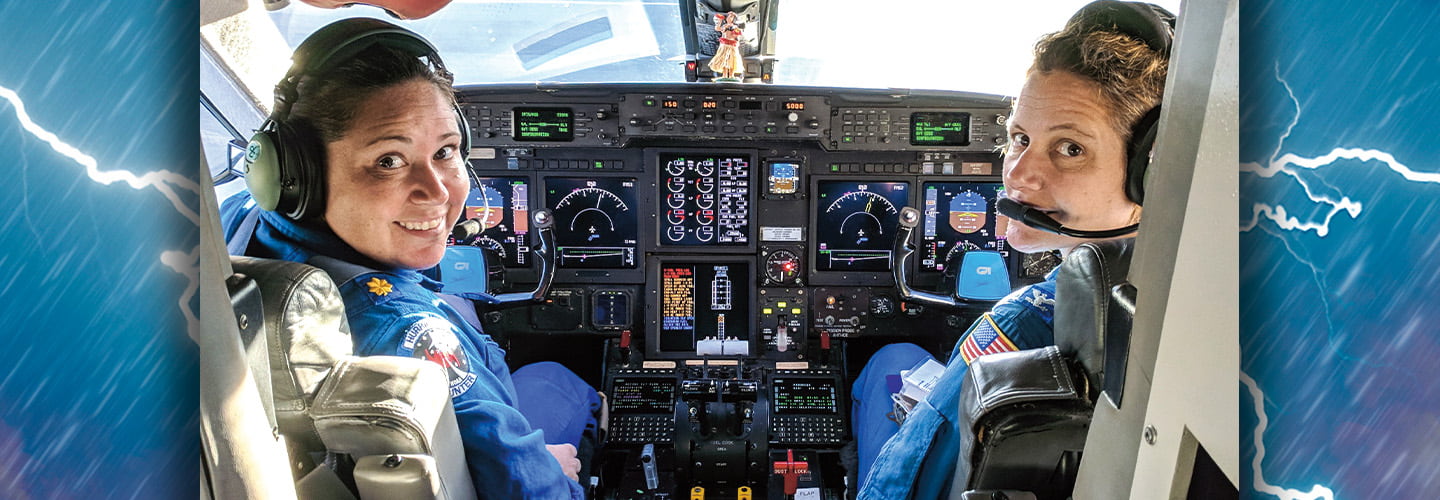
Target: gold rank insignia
[(379, 286)]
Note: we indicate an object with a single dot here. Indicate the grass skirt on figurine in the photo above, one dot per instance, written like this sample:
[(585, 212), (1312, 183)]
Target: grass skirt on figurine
[(728, 61)]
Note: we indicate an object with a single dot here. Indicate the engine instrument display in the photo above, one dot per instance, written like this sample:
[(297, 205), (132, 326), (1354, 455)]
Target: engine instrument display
[(502, 206), (705, 307), (595, 221), (544, 124), (960, 216), (804, 395), (940, 129), (642, 395), (706, 199), (856, 223)]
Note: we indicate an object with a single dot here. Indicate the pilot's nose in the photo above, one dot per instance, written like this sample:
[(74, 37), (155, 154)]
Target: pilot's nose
[(429, 181), (1025, 171)]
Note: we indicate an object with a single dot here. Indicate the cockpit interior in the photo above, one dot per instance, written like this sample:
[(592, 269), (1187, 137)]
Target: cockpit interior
[(720, 258)]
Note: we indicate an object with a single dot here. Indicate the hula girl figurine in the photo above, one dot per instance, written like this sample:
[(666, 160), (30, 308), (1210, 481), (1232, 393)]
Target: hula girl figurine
[(728, 64)]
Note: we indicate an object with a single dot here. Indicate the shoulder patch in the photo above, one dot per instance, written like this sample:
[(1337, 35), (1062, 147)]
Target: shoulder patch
[(984, 338), (434, 339)]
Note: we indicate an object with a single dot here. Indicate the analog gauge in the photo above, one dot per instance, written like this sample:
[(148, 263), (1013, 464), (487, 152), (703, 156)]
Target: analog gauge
[(705, 233), (590, 211), (489, 243), (676, 167), (705, 168), (675, 184), (705, 200), (675, 200), (705, 184), (675, 233), (782, 266), (704, 217), (958, 249), (866, 212), (675, 216)]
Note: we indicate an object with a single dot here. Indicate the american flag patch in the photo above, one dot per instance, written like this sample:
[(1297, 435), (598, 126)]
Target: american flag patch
[(984, 338)]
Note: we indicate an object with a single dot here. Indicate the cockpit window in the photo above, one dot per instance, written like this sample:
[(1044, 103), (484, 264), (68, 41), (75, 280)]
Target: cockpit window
[(930, 44)]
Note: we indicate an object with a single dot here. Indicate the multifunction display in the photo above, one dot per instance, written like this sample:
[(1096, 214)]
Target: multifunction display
[(595, 221), (940, 129), (502, 206), (642, 395), (544, 124), (856, 222), (804, 395), (706, 199), (705, 307), (959, 217)]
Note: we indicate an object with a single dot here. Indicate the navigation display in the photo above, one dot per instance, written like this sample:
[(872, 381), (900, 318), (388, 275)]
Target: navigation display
[(960, 216), (706, 199), (595, 221), (705, 307), (804, 395), (856, 222), (642, 395), (940, 129), (544, 124), (502, 206)]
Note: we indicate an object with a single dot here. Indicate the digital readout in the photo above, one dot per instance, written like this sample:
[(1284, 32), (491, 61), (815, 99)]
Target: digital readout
[(544, 124), (940, 129)]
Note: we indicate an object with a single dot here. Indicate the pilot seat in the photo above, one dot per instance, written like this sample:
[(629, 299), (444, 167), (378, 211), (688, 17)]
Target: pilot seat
[(376, 426), (1029, 411)]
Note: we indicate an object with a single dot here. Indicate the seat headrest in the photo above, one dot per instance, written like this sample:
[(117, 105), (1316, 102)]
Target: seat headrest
[(306, 333), (1083, 302)]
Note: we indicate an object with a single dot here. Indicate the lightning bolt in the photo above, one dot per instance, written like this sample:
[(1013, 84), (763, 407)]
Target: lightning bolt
[(163, 181), (1316, 492)]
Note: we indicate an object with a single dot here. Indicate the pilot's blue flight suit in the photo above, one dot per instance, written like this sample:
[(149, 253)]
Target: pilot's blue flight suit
[(917, 460), (397, 312)]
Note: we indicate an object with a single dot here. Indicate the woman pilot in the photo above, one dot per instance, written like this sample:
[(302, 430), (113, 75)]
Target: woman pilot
[(368, 144), (1090, 83)]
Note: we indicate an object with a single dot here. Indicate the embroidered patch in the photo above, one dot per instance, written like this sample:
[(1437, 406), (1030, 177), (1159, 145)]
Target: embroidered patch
[(984, 338), (379, 287), (1040, 299), (433, 339)]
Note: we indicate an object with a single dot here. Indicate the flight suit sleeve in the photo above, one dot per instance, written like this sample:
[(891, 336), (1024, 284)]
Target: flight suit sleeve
[(507, 458)]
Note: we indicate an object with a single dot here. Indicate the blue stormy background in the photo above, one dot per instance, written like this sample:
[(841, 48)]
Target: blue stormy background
[(98, 380), (1340, 332)]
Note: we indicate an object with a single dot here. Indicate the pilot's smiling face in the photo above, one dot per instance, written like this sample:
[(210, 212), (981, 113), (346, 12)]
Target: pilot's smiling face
[(396, 182), (1066, 160)]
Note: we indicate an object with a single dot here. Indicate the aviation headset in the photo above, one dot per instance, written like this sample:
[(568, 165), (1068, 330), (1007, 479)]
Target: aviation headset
[(285, 166), (1155, 26)]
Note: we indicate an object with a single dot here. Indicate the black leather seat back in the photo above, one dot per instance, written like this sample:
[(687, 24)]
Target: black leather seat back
[(1090, 326)]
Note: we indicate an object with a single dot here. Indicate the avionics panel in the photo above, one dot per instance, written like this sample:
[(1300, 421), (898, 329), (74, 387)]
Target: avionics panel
[(704, 198), (544, 124), (642, 395), (958, 217), (793, 395), (855, 226), (700, 306), (502, 205), (596, 223)]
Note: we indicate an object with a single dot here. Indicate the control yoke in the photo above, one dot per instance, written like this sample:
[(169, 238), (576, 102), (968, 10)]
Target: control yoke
[(982, 277), (544, 252)]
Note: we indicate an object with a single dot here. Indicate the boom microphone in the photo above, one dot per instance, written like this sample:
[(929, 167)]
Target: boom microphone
[(1038, 220), (467, 229)]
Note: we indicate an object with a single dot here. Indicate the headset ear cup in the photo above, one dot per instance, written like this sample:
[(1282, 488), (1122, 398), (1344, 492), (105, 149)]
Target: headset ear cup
[(1142, 141), (302, 187), (262, 168)]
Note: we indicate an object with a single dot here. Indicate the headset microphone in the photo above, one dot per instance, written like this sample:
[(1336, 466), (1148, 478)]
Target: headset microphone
[(466, 229), (1038, 220)]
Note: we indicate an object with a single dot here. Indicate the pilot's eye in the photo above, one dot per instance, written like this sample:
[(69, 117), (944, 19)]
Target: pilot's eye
[(1019, 141), (445, 153), (390, 162), (1070, 149)]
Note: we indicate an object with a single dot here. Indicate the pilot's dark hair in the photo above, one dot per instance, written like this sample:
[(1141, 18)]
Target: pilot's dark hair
[(1129, 72), (327, 103)]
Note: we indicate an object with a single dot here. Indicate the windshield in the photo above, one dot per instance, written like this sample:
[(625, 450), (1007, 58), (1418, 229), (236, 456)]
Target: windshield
[(930, 44)]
